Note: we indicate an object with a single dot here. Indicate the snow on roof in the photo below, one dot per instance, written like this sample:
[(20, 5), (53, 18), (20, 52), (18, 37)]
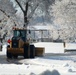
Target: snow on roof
[(41, 27)]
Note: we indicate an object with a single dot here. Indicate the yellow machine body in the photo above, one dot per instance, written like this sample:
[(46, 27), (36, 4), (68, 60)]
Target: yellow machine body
[(23, 48)]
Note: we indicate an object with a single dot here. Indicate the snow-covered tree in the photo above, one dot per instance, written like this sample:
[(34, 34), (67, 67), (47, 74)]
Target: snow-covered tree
[(64, 16), (23, 12), (33, 9), (7, 12), (37, 9), (7, 6)]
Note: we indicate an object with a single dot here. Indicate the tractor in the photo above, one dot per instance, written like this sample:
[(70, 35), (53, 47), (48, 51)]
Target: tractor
[(18, 46)]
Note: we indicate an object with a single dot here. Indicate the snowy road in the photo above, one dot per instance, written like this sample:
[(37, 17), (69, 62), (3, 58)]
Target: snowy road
[(60, 57), (62, 64), (50, 64), (21, 60), (65, 56), (3, 59)]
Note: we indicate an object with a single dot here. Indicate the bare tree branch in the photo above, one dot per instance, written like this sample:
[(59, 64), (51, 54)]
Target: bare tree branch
[(25, 14), (8, 16), (26, 7), (4, 13), (30, 15), (20, 5)]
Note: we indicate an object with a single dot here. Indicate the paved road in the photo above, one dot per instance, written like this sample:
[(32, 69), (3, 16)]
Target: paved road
[(3, 59)]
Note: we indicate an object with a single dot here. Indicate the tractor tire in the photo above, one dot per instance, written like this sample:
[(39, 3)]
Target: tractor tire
[(26, 51), (32, 51), (15, 56), (24, 56), (9, 55)]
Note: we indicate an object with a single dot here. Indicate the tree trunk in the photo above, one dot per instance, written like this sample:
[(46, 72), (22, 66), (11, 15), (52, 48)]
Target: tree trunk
[(25, 16), (26, 20)]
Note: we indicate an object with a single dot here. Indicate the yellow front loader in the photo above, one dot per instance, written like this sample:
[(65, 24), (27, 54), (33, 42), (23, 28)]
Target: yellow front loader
[(18, 46)]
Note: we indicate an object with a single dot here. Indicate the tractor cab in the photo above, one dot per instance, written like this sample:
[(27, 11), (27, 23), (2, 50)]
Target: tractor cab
[(19, 34)]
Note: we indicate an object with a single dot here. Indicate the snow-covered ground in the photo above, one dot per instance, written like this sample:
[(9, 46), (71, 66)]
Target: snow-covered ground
[(53, 64)]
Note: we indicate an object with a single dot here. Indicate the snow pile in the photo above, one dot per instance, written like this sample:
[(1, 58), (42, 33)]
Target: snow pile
[(51, 47), (70, 45)]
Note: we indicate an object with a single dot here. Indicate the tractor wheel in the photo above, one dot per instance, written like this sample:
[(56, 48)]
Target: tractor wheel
[(24, 56), (26, 53), (9, 55), (15, 56)]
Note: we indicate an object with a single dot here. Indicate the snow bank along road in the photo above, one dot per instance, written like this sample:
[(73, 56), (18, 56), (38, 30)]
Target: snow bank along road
[(48, 65)]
